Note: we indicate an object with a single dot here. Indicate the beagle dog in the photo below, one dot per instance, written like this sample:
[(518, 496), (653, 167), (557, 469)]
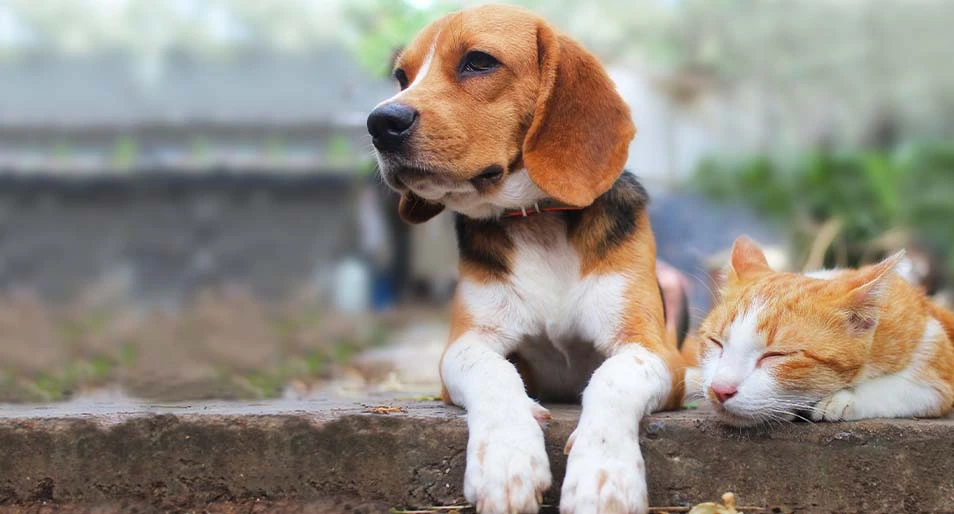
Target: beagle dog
[(519, 130)]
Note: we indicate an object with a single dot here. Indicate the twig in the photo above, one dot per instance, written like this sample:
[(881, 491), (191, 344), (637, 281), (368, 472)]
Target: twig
[(432, 510), (823, 240), (687, 509), (445, 508), (441, 508)]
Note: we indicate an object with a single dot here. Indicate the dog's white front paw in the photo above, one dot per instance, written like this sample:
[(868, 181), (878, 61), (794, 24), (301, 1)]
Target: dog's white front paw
[(507, 467), (837, 407), (605, 474)]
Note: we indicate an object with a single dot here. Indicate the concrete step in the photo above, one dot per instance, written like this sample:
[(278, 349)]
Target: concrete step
[(298, 455)]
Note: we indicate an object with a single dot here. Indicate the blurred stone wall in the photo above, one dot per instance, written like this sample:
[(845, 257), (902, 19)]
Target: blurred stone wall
[(156, 238)]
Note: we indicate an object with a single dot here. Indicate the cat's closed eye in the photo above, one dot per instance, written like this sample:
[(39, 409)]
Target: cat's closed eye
[(714, 341), (773, 355)]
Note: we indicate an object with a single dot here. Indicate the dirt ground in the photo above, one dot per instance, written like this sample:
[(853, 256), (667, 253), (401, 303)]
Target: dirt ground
[(225, 344), (334, 506), (331, 506)]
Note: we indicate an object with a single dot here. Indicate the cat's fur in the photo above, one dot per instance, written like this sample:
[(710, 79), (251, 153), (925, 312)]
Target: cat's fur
[(832, 345)]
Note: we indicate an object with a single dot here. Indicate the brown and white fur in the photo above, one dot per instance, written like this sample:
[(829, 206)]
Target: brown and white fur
[(831, 345), (500, 112)]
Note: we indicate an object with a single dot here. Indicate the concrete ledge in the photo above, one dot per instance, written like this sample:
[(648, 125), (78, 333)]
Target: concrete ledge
[(411, 456)]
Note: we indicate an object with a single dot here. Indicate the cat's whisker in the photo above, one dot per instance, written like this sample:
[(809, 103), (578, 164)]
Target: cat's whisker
[(704, 281), (788, 415), (796, 406), (791, 406), (698, 311), (772, 418)]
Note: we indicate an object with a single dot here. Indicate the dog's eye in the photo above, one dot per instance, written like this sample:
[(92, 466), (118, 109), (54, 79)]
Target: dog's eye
[(477, 62), (401, 78)]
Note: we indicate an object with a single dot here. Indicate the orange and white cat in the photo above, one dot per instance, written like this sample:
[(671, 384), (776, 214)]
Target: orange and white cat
[(829, 345)]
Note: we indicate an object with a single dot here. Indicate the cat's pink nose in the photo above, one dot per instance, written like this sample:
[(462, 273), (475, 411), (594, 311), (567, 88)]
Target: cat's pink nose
[(722, 392)]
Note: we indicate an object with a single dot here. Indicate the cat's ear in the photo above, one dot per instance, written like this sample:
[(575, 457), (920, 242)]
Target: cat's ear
[(747, 261), (866, 290)]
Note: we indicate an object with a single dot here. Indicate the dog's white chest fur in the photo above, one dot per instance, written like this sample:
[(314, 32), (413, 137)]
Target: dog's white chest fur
[(559, 322)]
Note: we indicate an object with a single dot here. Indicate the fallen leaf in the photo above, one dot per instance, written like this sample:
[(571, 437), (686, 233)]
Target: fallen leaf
[(707, 508), (383, 409), (727, 506)]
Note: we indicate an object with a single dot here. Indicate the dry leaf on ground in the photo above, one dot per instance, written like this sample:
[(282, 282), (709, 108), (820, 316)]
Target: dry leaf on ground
[(383, 409), (727, 506)]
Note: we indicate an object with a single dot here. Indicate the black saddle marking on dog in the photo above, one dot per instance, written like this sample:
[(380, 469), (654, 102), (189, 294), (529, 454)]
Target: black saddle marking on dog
[(612, 218), (484, 243)]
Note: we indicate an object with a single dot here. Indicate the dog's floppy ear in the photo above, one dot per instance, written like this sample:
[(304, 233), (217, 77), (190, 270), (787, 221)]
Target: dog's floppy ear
[(414, 209), (579, 138)]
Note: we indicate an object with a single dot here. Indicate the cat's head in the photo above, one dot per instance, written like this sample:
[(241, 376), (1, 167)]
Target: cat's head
[(777, 343)]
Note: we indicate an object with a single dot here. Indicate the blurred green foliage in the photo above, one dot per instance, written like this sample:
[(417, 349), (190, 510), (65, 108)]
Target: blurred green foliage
[(380, 28), (869, 191), (930, 183), (374, 29)]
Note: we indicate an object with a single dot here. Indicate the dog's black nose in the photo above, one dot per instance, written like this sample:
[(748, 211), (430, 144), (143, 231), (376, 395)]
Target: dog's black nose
[(390, 125)]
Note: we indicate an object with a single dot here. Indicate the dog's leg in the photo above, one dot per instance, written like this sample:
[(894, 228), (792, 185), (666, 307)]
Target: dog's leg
[(507, 467), (605, 471)]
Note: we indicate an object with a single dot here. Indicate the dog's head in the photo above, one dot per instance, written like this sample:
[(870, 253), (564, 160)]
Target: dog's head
[(487, 93)]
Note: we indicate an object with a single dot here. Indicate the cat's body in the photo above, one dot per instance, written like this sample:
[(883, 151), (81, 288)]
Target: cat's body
[(831, 345)]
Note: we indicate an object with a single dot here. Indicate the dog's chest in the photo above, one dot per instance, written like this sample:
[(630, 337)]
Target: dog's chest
[(573, 307), (545, 272), (545, 296), (574, 317), (559, 322)]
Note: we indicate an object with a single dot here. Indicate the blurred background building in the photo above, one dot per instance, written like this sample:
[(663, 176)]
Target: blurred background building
[(200, 169)]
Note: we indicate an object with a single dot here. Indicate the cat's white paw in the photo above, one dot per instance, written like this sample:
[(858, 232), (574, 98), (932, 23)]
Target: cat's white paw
[(507, 467), (837, 407), (604, 475)]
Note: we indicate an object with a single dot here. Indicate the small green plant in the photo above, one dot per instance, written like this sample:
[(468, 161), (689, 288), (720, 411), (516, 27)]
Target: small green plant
[(339, 151), (275, 146), (62, 150), (125, 152), (316, 363), (200, 148)]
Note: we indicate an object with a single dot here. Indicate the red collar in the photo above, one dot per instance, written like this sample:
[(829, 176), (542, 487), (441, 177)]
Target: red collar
[(536, 209)]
